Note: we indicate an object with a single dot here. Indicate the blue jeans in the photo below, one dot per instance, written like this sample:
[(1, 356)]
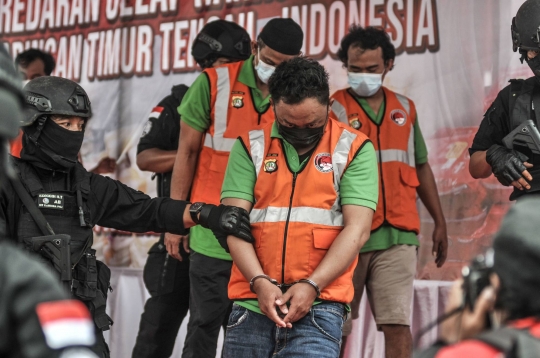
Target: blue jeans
[(317, 334)]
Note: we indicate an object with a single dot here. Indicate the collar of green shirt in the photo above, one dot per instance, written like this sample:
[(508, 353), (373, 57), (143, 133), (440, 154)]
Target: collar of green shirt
[(377, 119)]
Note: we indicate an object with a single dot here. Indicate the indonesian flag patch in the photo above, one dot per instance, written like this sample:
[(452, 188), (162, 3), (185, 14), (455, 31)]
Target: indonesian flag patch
[(66, 323), (156, 112)]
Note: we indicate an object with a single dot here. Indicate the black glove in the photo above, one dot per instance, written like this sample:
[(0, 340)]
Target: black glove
[(506, 164), (226, 220)]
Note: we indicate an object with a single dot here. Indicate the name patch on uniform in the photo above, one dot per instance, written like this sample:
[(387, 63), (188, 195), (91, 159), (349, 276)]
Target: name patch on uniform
[(51, 201), (323, 162)]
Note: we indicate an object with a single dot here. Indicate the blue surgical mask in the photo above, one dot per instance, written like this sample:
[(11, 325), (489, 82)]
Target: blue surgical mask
[(264, 70), (365, 84)]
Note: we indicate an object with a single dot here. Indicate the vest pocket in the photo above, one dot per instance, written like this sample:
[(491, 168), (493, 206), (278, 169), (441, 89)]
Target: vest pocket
[(322, 240), (214, 176), (408, 191)]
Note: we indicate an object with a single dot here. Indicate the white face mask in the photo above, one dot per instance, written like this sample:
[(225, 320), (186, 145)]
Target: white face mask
[(264, 70), (365, 84)]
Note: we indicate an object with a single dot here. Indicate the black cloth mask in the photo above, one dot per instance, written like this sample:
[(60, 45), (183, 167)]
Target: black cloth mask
[(56, 147), (301, 137), (534, 64)]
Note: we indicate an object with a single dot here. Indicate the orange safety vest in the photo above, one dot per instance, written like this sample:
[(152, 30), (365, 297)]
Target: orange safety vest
[(297, 216), (232, 114), (393, 140)]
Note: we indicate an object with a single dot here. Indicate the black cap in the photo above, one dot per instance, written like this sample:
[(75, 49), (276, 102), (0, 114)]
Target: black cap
[(283, 35), (517, 246)]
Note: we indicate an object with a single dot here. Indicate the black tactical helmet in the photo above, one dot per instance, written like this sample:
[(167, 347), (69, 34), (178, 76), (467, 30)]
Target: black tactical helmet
[(220, 38), (11, 96), (50, 95), (526, 27)]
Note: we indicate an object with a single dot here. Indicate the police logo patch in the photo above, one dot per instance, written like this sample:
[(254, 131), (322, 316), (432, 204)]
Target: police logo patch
[(237, 101), (270, 165), (398, 116), (323, 162), (147, 128), (51, 201), (355, 123)]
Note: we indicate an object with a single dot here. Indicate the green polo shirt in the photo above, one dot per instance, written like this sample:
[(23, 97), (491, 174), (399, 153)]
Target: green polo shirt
[(387, 236), (359, 184), (195, 112)]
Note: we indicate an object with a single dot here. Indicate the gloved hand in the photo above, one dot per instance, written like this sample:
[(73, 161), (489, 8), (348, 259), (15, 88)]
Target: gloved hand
[(506, 164), (226, 220)]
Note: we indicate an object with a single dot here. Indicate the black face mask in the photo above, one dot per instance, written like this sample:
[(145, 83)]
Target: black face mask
[(534, 64), (301, 138), (56, 147)]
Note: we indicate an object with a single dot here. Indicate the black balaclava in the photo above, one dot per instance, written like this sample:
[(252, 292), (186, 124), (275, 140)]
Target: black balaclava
[(534, 65), (48, 145)]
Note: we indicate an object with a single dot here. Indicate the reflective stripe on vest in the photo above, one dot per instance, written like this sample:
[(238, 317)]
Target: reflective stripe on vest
[(340, 111), (256, 143), (217, 142), (398, 155), (298, 214), (387, 155)]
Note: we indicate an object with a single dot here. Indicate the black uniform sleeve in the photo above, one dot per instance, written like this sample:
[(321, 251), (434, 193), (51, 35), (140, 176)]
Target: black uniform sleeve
[(24, 284), (118, 206), (162, 132), (495, 125)]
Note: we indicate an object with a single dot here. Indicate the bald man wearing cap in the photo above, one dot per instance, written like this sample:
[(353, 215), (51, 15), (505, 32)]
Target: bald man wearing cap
[(222, 104)]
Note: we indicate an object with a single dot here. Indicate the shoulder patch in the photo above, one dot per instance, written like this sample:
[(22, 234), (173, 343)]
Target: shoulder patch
[(66, 323), (156, 112), (147, 128)]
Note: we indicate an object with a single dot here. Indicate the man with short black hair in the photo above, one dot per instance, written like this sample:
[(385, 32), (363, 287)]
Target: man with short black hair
[(221, 104), (34, 63), (311, 186), (387, 262)]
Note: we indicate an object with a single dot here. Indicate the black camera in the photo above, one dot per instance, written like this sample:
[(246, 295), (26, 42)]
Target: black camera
[(476, 277)]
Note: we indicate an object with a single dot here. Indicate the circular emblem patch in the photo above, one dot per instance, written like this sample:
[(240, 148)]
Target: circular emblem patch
[(45, 201), (270, 165), (355, 123), (398, 116), (146, 129), (323, 162)]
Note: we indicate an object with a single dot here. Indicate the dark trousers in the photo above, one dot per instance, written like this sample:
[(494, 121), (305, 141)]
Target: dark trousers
[(210, 306), (167, 280)]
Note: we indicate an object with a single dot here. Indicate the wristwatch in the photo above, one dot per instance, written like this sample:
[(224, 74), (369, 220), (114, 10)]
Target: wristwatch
[(194, 210)]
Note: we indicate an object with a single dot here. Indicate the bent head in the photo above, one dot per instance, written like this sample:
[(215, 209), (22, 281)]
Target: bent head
[(368, 55), (279, 41), (301, 100)]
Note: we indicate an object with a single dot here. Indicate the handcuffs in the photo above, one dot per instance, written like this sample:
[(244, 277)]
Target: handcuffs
[(283, 286)]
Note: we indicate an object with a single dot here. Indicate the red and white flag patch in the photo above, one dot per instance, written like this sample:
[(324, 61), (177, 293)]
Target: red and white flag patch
[(66, 323), (156, 112)]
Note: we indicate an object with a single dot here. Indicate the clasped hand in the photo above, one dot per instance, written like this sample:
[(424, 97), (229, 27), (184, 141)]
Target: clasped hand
[(284, 308)]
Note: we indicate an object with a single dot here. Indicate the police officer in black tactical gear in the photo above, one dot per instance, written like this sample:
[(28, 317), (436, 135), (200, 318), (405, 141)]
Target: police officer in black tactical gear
[(58, 197), (514, 105), (33, 305), (166, 278)]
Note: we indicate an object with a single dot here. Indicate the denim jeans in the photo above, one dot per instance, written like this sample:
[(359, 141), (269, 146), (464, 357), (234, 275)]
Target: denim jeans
[(317, 334)]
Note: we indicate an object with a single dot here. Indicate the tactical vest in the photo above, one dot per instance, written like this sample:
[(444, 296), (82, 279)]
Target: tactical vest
[(67, 212), (522, 105), (297, 216), (393, 140), (232, 114)]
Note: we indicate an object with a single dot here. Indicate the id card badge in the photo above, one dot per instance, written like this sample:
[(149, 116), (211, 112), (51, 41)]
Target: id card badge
[(51, 201)]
